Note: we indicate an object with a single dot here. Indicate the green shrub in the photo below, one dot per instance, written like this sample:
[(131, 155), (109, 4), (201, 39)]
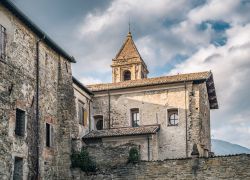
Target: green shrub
[(134, 155), (83, 161)]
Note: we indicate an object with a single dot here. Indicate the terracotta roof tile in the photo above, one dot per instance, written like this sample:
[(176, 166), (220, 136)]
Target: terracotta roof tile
[(151, 81), (124, 131)]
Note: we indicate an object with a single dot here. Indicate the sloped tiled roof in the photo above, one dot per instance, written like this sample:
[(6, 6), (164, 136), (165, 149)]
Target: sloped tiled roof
[(151, 81), (124, 131), (128, 49)]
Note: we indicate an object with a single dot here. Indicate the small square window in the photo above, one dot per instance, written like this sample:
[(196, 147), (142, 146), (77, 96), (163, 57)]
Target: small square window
[(20, 122), (173, 117)]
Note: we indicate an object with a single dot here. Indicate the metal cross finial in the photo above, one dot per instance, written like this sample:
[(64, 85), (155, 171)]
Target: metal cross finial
[(129, 26)]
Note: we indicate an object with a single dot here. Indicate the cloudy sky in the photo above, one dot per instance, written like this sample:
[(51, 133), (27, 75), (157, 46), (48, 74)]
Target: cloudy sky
[(172, 36)]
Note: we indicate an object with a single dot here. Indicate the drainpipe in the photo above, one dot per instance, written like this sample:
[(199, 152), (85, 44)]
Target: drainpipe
[(186, 118), (109, 109), (37, 106), (148, 149), (89, 115)]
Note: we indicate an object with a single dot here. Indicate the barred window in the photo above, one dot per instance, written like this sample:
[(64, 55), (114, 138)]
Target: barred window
[(18, 168), (2, 42), (20, 122)]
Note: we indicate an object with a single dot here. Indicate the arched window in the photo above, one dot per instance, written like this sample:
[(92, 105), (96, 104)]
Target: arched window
[(126, 75), (173, 118), (98, 122)]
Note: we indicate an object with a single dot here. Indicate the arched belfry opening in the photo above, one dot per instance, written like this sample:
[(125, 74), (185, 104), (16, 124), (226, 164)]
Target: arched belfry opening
[(128, 63), (126, 75)]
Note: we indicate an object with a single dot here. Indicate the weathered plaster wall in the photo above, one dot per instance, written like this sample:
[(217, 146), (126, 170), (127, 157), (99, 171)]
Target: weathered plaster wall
[(85, 98), (191, 100), (18, 90), (147, 144), (153, 106), (229, 167)]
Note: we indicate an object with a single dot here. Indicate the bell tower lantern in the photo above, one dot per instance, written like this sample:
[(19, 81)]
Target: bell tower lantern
[(128, 64)]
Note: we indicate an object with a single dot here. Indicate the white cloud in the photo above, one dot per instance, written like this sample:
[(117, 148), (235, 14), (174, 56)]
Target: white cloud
[(214, 9), (89, 80)]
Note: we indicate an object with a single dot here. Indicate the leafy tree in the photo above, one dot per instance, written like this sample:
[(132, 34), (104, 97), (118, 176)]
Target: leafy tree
[(134, 155), (83, 161)]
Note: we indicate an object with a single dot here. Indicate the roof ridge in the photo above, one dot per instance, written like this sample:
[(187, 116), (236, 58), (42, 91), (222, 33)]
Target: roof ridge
[(151, 78)]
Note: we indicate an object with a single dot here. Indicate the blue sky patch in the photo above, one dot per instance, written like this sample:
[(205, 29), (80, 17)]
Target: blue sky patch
[(161, 70), (219, 37), (217, 26)]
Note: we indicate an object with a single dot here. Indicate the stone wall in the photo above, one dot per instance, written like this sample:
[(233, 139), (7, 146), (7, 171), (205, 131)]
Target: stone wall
[(107, 156), (228, 167), (18, 90)]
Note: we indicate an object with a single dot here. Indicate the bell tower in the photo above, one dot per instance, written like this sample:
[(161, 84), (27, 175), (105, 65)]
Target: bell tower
[(128, 64)]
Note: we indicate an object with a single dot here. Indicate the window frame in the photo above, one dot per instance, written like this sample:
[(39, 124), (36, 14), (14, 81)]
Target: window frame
[(20, 127), (98, 118), (16, 159), (3, 39), (175, 112), (135, 122), (124, 73), (50, 142), (81, 111)]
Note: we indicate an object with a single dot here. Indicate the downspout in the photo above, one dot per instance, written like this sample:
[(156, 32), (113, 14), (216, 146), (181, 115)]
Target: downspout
[(37, 107), (109, 108), (89, 115), (186, 118), (148, 149)]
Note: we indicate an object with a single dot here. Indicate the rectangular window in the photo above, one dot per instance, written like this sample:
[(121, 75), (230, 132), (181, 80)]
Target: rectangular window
[(82, 114), (135, 117), (2, 42), (49, 135), (18, 169), (20, 122)]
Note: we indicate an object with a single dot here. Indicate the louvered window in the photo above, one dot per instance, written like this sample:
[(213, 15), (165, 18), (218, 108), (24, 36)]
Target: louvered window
[(2, 42), (20, 122)]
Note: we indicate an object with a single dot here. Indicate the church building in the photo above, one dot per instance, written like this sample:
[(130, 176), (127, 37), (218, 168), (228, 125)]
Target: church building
[(165, 116)]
